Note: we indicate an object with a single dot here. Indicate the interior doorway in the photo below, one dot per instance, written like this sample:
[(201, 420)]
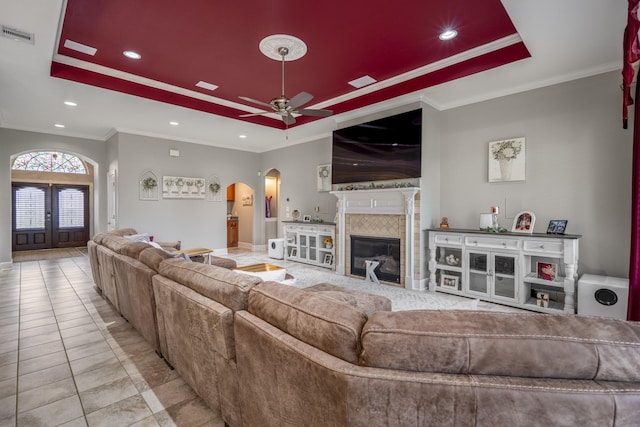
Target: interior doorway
[(46, 216), (272, 199)]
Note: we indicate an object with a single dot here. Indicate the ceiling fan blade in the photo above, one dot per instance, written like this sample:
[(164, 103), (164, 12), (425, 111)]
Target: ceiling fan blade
[(289, 119), (255, 101), (255, 114), (316, 113), (300, 99)]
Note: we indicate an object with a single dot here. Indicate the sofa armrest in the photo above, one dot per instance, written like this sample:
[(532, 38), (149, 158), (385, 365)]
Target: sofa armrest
[(171, 245)]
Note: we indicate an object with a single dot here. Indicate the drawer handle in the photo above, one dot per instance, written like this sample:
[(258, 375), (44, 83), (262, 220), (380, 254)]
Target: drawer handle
[(446, 239), (541, 246), (504, 245), (475, 241)]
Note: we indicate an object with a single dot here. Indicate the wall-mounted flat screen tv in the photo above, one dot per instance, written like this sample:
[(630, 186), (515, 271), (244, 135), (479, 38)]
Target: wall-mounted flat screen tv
[(379, 150)]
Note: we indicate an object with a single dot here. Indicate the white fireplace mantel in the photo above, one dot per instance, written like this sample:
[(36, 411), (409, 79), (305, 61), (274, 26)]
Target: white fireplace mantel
[(382, 201)]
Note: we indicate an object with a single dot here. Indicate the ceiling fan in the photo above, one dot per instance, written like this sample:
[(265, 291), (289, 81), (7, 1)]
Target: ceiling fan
[(284, 106)]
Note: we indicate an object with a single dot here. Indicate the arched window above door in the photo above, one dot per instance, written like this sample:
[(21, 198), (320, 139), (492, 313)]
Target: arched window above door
[(49, 161)]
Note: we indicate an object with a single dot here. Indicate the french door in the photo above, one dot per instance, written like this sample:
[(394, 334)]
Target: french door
[(48, 216)]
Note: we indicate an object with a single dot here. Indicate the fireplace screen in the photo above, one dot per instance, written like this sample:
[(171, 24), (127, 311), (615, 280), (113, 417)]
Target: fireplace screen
[(383, 250)]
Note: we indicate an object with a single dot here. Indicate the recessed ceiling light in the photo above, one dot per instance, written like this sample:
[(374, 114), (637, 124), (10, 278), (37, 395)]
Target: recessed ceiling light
[(70, 104), (205, 85), (174, 123), (131, 54), (242, 136), (58, 125), (448, 35)]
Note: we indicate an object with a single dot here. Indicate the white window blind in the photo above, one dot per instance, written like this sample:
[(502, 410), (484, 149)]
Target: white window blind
[(29, 208), (70, 208)]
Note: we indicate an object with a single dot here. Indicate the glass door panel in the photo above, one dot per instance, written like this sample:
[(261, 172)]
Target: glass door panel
[(478, 272), (504, 276)]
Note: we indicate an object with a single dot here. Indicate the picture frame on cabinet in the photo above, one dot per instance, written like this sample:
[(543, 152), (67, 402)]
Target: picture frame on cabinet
[(328, 259), (524, 222), (294, 252), (449, 281), (557, 226), (306, 218), (547, 270)]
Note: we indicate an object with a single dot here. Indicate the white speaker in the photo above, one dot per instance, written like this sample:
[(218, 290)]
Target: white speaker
[(603, 296), (276, 248)]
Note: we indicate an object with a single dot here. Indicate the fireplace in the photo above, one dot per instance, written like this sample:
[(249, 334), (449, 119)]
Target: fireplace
[(383, 250), (387, 213)]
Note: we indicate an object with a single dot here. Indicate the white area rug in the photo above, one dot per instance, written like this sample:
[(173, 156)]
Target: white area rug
[(401, 299)]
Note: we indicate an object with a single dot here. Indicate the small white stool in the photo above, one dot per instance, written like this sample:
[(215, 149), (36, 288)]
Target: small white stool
[(371, 274)]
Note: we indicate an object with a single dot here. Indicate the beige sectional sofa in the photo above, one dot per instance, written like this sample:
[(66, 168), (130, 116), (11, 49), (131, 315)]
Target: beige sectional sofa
[(268, 354)]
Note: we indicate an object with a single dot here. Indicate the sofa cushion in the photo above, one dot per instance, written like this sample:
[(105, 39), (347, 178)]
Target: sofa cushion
[(152, 257), (119, 232), (511, 344), (133, 250), (366, 302), (220, 284), (322, 322)]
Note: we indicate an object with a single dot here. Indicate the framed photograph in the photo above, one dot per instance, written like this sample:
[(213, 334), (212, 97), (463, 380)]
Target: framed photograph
[(507, 160), (557, 226), (328, 259), (523, 222), (294, 252), (306, 218), (324, 178), (449, 281), (547, 270), (247, 200)]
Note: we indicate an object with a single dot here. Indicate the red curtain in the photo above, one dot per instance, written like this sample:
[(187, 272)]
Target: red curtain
[(631, 55)]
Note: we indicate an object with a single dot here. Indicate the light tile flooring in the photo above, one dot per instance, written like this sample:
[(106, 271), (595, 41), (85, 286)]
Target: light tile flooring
[(68, 358)]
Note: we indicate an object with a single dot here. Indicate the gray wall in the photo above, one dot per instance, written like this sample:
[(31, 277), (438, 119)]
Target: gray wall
[(196, 222), (578, 165)]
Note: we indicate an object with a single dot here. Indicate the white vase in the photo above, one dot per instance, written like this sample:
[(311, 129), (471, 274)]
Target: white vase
[(505, 169)]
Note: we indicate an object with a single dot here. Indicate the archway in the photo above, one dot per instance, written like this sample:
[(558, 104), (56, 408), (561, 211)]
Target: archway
[(51, 200), (272, 204)]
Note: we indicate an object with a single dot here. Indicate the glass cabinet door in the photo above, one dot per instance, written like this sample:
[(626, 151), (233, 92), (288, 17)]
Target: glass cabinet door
[(478, 263), (504, 276)]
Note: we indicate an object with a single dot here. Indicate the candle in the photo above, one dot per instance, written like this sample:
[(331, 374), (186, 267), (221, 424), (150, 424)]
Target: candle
[(495, 210)]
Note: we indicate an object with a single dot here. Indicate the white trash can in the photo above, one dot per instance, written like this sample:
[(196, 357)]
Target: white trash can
[(276, 248)]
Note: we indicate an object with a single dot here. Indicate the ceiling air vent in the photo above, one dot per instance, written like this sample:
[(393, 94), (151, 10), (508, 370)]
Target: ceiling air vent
[(12, 33)]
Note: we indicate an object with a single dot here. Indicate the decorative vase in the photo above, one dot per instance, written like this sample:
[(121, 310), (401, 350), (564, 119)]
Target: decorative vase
[(505, 169)]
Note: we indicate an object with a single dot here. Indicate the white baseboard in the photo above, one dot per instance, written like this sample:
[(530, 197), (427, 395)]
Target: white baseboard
[(5, 266)]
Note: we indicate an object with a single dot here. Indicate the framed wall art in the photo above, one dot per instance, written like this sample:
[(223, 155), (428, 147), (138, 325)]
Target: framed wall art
[(324, 178), (507, 160)]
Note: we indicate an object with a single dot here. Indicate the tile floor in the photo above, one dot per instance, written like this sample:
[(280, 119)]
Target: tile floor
[(67, 358)]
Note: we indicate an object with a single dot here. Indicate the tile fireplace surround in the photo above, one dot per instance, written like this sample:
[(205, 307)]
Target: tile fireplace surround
[(388, 212)]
